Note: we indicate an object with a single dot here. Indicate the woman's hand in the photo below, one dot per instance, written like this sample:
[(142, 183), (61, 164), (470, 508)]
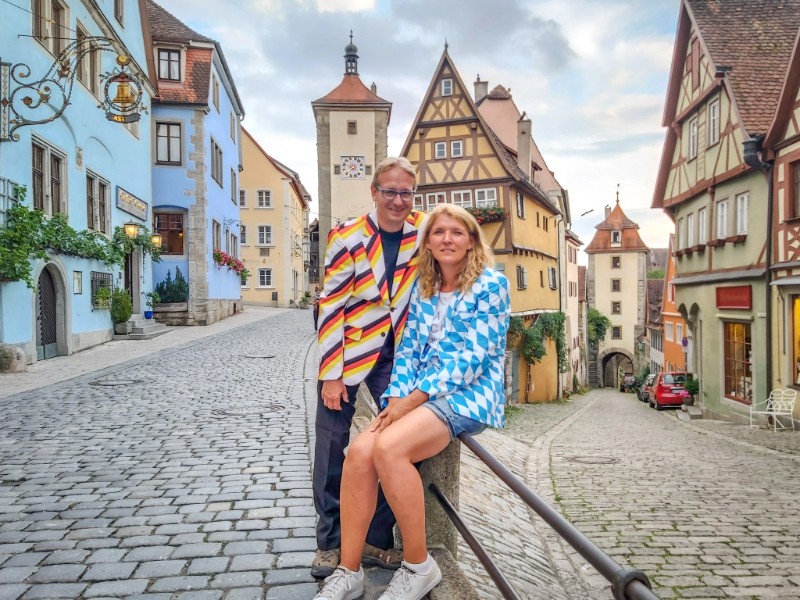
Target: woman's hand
[(396, 409)]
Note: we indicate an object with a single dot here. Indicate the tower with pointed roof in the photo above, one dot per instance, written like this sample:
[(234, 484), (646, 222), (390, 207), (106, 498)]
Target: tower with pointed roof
[(352, 129), (616, 286)]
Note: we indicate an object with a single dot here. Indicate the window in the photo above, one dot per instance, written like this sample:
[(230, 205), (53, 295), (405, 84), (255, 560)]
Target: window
[(522, 277), (87, 68), (96, 203), (794, 188), (692, 138), (616, 237), (616, 285), (712, 122), (58, 28), (216, 162), (681, 227), (418, 202), (264, 199), (741, 213), (265, 278), (690, 230), (47, 193), (552, 278), (216, 233), (679, 332), (440, 150), (99, 280), (215, 91), (722, 219), (702, 226), (119, 11), (486, 197), (736, 358), (242, 199), (541, 278), (352, 127), (233, 186), (168, 143), (447, 87), (243, 234), (245, 282), (169, 64), (170, 226), (616, 308), (616, 332), (462, 198), (265, 235), (521, 206), (616, 262), (456, 149), (38, 20), (434, 199), (545, 222)]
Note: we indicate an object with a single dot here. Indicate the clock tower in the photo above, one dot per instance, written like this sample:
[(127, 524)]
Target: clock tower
[(352, 128)]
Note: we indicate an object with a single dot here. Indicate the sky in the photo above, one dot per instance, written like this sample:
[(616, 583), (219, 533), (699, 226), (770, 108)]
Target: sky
[(590, 74)]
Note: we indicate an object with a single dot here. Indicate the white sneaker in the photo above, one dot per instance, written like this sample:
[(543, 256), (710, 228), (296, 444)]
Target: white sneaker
[(343, 584), (410, 585)]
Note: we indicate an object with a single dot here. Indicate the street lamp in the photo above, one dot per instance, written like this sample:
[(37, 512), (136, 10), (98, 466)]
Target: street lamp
[(131, 229), (156, 240)]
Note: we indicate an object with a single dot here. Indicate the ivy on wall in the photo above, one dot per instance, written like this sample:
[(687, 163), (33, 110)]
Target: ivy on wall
[(28, 235), (531, 340)]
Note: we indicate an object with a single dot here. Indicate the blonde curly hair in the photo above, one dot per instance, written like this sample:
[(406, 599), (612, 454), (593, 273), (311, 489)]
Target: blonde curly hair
[(478, 257)]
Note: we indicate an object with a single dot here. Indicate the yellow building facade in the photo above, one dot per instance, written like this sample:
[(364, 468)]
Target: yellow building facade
[(273, 213), (460, 160)]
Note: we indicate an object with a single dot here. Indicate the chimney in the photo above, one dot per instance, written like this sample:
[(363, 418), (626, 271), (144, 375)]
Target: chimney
[(481, 89), (524, 145), (608, 210), (374, 88)]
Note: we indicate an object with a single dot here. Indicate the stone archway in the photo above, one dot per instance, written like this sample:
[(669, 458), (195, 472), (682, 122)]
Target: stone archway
[(609, 362)]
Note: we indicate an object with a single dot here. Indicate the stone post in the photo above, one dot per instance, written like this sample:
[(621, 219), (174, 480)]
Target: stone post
[(444, 470)]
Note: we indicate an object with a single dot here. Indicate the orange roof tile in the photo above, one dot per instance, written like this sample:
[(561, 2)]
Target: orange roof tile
[(351, 91)]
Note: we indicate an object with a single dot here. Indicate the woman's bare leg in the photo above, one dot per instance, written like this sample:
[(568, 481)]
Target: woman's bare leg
[(415, 437), (359, 497)]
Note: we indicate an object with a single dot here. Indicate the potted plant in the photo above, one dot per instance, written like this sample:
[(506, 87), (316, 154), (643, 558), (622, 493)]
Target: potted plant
[(102, 298), (152, 298), (692, 388), (121, 311)]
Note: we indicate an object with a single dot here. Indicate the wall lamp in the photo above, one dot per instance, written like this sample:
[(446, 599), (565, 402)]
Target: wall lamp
[(131, 229), (21, 97)]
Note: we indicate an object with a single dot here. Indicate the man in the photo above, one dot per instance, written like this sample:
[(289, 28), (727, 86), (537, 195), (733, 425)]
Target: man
[(370, 266)]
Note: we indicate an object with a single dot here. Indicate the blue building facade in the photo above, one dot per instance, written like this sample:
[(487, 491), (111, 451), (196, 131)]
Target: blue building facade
[(197, 161), (94, 171)]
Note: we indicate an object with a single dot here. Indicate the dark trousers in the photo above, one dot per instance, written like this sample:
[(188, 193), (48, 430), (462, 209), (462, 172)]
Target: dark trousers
[(333, 436)]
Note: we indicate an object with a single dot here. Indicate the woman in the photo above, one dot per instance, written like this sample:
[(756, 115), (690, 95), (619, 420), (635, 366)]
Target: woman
[(447, 379)]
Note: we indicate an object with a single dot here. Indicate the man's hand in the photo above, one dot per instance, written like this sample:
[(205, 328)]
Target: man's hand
[(333, 393)]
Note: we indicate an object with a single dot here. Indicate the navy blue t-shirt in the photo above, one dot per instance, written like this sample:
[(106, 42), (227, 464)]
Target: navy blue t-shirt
[(390, 240)]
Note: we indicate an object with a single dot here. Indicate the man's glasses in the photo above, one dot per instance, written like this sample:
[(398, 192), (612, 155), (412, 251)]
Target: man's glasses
[(405, 195)]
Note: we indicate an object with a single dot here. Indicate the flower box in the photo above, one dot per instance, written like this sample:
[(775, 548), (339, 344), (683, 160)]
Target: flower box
[(488, 214)]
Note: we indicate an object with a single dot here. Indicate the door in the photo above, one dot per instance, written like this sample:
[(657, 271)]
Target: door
[(127, 276), (46, 325)]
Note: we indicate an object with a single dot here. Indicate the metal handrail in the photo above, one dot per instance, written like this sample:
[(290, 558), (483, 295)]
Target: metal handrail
[(626, 583)]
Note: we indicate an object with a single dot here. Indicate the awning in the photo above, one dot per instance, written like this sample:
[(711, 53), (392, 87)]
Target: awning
[(795, 280)]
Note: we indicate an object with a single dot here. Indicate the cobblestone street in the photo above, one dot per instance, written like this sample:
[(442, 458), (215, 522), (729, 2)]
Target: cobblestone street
[(191, 480)]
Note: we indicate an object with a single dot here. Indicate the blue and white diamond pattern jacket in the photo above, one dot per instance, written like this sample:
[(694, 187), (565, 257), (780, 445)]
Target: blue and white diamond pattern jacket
[(467, 367)]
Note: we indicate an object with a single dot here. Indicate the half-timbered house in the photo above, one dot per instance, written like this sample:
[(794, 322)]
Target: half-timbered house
[(728, 63), (461, 160), (783, 145)]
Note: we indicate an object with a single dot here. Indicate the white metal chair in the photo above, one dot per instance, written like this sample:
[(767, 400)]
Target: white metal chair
[(779, 403)]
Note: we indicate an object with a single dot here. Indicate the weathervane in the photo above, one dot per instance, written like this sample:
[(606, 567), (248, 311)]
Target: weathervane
[(123, 92)]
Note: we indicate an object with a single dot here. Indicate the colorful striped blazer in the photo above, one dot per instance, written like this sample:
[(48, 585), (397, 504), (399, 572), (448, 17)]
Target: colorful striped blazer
[(467, 368), (355, 309)]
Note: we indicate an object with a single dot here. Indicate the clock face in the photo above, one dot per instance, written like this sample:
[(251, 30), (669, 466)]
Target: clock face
[(352, 167)]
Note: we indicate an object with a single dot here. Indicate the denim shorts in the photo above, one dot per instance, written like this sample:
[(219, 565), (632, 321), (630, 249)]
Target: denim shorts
[(456, 423)]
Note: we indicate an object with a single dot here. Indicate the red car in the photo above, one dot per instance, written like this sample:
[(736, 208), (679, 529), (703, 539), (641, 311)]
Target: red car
[(668, 390)]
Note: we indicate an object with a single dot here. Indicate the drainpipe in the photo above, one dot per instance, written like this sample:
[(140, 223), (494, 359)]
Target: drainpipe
[(752, 156)]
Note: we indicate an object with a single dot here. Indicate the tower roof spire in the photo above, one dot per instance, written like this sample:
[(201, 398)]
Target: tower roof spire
[(351, 57)]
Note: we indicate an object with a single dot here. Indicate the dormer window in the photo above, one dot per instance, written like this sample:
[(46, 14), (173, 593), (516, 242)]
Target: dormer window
[(169, 64), (447, 87), (616, 237)]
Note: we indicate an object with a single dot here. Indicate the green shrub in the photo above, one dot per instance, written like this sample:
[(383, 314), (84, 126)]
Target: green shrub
[(121, 306), (173, 290)]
